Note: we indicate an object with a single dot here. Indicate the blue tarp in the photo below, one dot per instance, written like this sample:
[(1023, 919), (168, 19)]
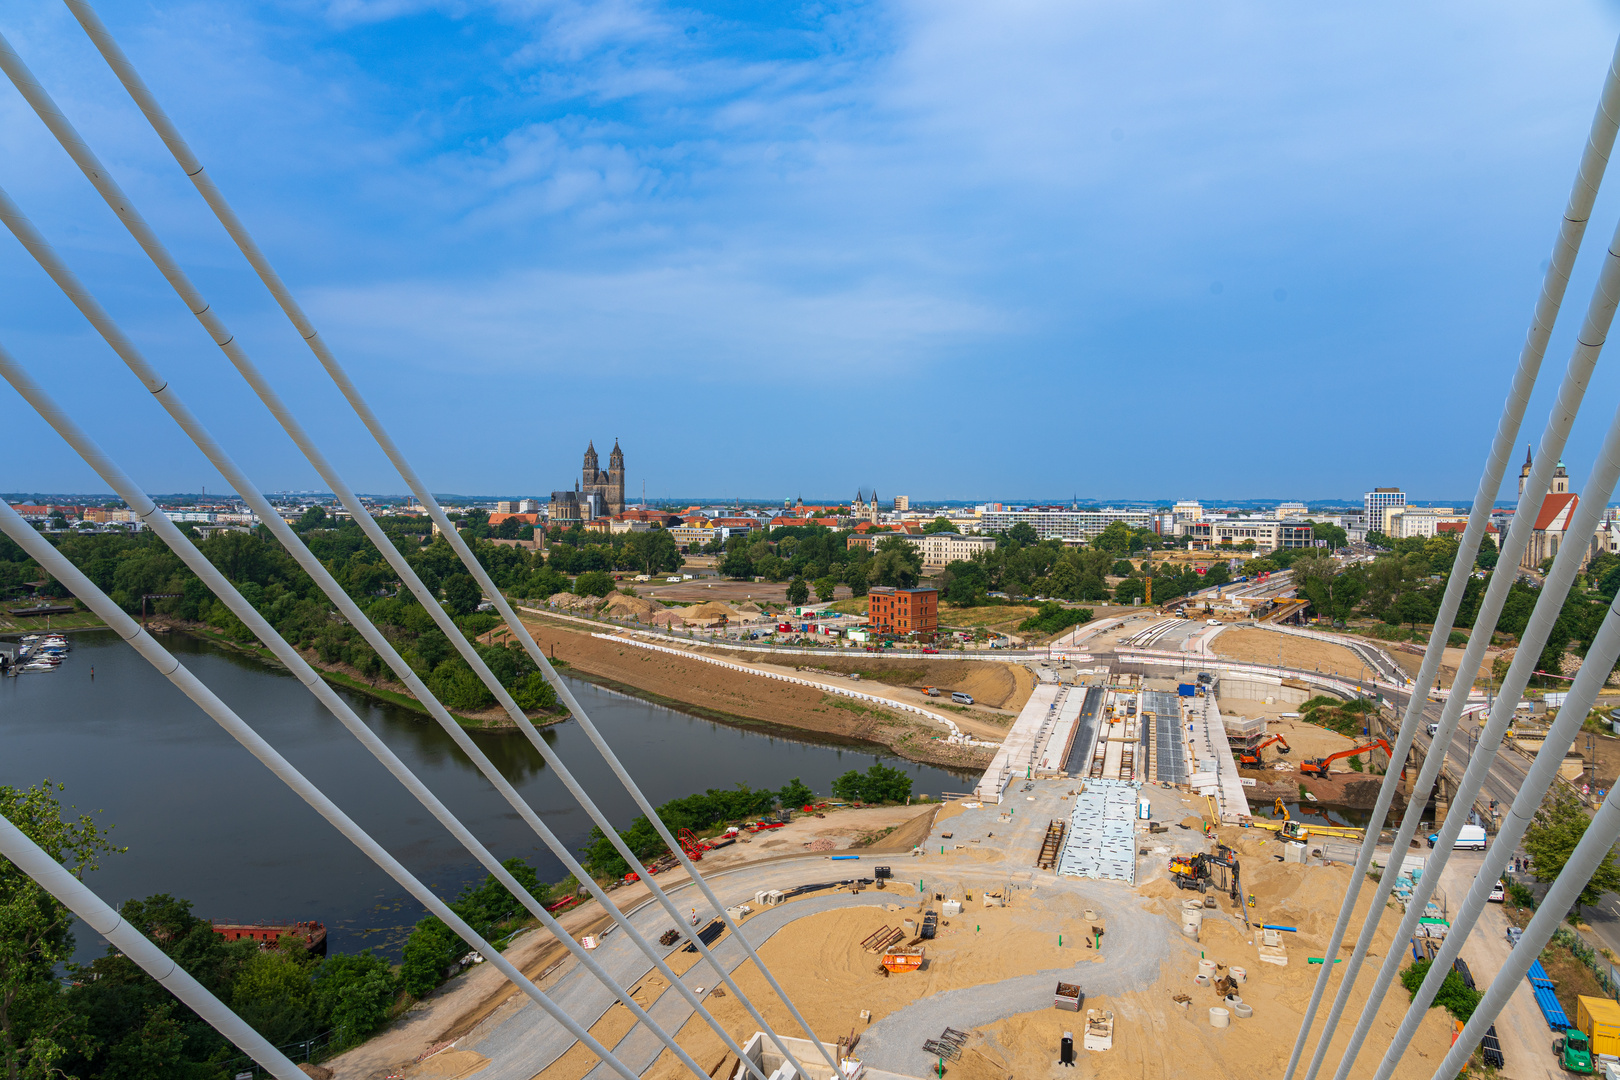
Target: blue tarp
[(1187, 690), (1557, 1019)]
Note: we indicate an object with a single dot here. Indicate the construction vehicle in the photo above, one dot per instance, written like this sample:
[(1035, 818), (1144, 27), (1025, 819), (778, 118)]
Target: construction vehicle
[(1574, 1052), (1252, 758), (1218, 869), (1319, 766), (1290, 829), (931, 691)]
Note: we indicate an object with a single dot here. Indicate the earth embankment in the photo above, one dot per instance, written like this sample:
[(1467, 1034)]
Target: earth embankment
[(734, 697)]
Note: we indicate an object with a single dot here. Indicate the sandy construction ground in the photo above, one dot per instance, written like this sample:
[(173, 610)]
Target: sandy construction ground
[(1304, 740), (459, 1005), (1264, 647)]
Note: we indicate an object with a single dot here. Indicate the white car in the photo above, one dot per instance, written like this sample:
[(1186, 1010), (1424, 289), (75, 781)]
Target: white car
[(1213, 622), (1498, 892)]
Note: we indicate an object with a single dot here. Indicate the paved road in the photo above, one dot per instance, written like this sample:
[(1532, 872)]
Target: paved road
[(1525, 1037)]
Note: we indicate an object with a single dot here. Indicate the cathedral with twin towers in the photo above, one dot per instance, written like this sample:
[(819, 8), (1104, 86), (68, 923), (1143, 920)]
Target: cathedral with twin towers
[(599, 492)]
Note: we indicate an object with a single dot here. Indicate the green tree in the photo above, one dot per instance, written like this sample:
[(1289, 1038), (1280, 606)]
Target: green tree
[(1217, 574), (1115, 539), (354, 994), (1332, 594), (1122, 568), (940, 525), (37, 1031), (1023, 534), (855, 578), (1550, 839), (594, 583), (798, 592), (462, 594), (273, 993), (879, 784), (825, 587), (1335, 536), (1131, 590), (796, 793), (1413, 608), (737, 565), (895, 561), (964, 582)]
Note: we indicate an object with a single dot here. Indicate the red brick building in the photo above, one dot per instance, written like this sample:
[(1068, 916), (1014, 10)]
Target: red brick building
[(903, 611)]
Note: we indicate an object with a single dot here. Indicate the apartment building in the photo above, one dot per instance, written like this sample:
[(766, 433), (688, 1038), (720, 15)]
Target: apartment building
[(1267, 534), (1061, 523)]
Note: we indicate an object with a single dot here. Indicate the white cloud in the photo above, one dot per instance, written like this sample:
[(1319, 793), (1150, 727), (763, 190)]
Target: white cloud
[(713, 323)]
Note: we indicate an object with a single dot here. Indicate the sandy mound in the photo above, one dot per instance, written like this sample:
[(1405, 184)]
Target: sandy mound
[(621, 606), (569, 602), (712, 612), (749, 606)]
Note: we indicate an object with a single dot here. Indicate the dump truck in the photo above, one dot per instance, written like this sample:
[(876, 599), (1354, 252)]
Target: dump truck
[(1599, 1020)]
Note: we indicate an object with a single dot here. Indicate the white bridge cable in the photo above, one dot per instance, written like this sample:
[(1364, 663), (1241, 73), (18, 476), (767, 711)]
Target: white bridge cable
[(1548, 606), (146, 509), (1543, 773), (144, 99), (166, 395), (123, 207), (55, 879), (1598, 841), (1566, 246), (60, 567)]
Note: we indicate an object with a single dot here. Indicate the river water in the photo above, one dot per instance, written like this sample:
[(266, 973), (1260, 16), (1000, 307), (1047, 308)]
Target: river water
[(205, 821)]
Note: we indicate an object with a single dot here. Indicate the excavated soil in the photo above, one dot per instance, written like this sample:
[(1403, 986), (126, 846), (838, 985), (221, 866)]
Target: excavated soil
[(1261, 647), (1000, 686), (734, 697)]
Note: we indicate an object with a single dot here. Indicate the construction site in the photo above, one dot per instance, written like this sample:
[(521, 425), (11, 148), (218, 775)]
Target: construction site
[(1106, 884)]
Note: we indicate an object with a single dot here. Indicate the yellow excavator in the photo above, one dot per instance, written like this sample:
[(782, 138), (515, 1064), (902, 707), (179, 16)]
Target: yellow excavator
[(1289, 829)]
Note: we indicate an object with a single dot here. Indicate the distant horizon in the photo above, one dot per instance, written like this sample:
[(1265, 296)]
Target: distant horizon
[(75, 498)]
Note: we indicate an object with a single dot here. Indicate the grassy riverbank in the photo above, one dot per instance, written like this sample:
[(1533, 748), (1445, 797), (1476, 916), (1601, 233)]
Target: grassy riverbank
[(393, 693)]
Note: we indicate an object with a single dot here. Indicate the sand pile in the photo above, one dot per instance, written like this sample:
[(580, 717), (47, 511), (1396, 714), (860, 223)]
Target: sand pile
[(749, 607), (710, 613), (622, 606), (569, 602)]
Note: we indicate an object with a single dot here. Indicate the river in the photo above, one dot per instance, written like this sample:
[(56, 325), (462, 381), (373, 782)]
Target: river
[(205, 821)]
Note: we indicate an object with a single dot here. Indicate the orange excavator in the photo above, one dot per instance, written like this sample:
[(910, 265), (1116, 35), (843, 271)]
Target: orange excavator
[(1319, 766), (1252, 758)]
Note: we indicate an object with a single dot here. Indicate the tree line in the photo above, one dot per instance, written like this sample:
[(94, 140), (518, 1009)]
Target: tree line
[(1403, 587), (109, 1020), (127, 566)]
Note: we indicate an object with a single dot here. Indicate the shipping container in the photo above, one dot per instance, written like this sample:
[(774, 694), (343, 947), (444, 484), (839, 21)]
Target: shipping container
[(1599, 1018)]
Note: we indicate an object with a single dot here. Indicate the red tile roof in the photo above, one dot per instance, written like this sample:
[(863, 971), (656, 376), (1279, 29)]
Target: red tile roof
[(1554, 507)]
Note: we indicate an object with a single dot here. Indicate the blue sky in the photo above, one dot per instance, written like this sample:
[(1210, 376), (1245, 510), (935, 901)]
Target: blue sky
[(954, 250)]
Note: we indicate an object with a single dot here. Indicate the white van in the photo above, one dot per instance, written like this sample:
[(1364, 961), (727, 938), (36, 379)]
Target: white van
[(961, 698), (1469, 838)]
